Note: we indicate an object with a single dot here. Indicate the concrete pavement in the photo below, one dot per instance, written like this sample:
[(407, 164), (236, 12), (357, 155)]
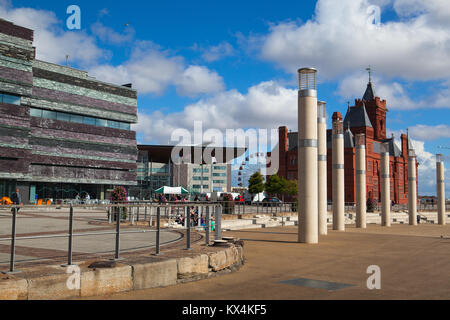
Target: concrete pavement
[(414, 262)]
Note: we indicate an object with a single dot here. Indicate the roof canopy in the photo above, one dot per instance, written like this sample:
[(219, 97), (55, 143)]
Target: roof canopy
[(171, 190)]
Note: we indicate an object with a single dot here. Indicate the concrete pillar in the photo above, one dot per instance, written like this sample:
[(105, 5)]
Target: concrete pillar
[(322, 168), (412, 188), (307, 157), (361, 201), (385, 187), (440, 171), (338, 174)]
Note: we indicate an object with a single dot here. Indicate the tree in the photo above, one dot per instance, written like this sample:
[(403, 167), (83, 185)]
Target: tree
[(290, 187), (274, 185), (256, 183)]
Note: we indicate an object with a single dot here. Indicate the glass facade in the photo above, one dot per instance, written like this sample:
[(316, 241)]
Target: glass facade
[(219, 174), (10, 99), (69, 117), (7, 188)]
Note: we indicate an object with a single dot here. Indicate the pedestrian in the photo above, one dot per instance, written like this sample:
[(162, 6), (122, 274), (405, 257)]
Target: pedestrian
[(16, 199)]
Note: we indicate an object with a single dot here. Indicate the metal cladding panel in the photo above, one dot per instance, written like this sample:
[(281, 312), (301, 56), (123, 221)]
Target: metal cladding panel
[(88, 146), (84, 83), (82, 175), (64, 97), (83, 128), (14, 111), (16, 88), (11, 29), (16, 53), (82, 136), (15, 153), (48, 150), (16, 75), (76, 162)]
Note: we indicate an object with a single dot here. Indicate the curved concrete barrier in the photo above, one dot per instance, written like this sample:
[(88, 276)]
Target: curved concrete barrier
[(144, 272)]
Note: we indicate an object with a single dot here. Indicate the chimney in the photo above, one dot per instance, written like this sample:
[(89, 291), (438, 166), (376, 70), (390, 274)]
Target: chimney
[(404, 139)]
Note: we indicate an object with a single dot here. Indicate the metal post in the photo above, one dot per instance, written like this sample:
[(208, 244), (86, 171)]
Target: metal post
[(188, 229), (385, 187), (361, 202), (338, 173), (13, 242), (218, 224), (118, 218), (440, 185), (69, 260), (208, 226), (412, 190), (199, 216), (109, 215), (151, 216), (145, 213), (138, 212), (158, 230)]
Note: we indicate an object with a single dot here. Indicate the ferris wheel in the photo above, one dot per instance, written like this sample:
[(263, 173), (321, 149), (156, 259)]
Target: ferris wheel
[(252, 163)]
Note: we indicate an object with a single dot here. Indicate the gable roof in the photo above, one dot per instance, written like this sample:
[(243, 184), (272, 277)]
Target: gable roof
[(357, 117), (370, 93)]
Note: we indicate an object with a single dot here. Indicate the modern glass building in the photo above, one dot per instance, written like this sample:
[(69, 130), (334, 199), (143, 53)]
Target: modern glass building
[(62, 132), (156, 169)]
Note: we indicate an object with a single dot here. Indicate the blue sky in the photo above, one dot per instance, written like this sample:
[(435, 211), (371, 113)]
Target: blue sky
[(232, 64)]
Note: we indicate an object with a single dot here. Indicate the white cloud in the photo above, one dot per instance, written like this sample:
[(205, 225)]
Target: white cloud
[(395, 93), (427, 165), (339, 41), (198, 79), (108, 35), (220, 51), (427, 170), (52, 42), (429, 133), (151, 70), (266, 105)]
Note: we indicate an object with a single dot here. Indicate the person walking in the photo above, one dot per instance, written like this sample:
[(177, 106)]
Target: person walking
[(16, 199)]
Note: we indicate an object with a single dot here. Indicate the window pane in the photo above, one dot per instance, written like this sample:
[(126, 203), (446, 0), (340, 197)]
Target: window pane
[(113, 124), (49, 114), (76, 118), (101, 122), (89, 121), (62, 116), (124, 126), (35, 112), (11, 99)]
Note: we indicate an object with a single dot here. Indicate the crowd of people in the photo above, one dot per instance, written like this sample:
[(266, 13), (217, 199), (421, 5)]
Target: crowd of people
[(180, 212)]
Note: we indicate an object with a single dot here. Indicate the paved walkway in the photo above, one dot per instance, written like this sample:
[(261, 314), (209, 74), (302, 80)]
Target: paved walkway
[(414, 262)]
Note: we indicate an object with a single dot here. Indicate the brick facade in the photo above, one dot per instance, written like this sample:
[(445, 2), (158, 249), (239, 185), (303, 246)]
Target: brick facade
[(367, 116)]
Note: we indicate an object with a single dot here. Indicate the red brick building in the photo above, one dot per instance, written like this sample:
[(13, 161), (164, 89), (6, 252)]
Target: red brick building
[(367, 116)]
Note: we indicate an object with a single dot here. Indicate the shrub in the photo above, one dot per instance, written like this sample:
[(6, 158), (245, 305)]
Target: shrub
[(228, 204), (371, 205), (119, 195)]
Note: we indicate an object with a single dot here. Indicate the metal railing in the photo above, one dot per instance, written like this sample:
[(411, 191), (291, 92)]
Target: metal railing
[(188, 213)]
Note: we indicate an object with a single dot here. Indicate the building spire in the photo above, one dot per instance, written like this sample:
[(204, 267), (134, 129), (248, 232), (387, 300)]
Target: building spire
[(370, 92), (369, 70)]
